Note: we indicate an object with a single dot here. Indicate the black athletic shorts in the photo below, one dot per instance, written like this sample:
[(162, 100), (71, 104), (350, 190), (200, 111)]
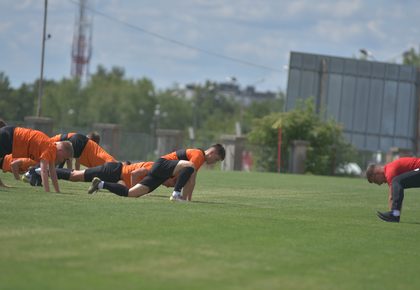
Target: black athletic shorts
[(6, 140), (110, 171), (161, 170)]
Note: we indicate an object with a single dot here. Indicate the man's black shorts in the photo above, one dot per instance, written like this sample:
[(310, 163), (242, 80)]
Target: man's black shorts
[(6, 140), (110, 171), (161, 170)]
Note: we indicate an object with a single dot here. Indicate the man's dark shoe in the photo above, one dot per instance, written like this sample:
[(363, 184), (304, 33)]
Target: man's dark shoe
[(388, 217), (94, 186), (34, 178)]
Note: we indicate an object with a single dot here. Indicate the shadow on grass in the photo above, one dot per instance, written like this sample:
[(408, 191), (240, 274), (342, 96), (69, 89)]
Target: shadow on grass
[(69, 193), (410, 223), (193, 201)]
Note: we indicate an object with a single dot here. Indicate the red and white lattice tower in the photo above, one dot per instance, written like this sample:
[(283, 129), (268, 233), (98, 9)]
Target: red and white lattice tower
[(82, 43)]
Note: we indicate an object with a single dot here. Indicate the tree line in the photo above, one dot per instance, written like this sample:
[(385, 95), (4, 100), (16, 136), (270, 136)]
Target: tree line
[(137, 105)]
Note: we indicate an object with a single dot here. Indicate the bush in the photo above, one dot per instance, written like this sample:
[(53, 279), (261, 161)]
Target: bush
[(327, 149)]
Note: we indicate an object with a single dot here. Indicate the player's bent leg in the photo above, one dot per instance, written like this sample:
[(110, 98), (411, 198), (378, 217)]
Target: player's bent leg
[(116, 188), (77, 176), (138, 190), (181, 165), (63, 173), (183, 177), (403, 181)]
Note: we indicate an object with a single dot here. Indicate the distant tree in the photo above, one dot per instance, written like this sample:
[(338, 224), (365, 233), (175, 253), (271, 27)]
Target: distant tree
[(111, 98), (327, 149), (6, 110), (213, 114), (175, 111), (411, 57), (15, 104), (64, 103), (259, 109)]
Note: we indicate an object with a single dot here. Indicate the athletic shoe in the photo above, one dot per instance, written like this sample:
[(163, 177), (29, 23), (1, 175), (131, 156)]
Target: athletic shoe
[(94, 186), (388, 217), (176, 197), (25, 177), (32, 177)]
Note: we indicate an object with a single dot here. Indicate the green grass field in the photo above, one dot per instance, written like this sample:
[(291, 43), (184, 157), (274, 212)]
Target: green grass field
[(243, 231)]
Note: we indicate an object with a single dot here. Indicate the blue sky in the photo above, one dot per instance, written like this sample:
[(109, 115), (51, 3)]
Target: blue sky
[(260, 32)]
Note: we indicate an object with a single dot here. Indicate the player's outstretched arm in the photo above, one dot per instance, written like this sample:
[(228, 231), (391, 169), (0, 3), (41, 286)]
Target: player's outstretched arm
[(69, 163), (77, 164), (53, 175), (390, 198), (44, 175), (188, 189), (15, 167)]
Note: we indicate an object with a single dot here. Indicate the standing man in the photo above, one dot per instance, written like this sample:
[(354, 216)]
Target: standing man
[(33, 144), (399, 174), (182, 164)]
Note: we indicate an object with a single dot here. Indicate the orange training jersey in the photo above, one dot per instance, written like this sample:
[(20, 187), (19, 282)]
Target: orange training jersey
[(33, 144), (127, 169), (26, 163), (196, 156), (94, 155)]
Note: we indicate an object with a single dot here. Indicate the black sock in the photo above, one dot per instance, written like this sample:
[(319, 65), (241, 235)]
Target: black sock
[(63, 173), (183, 177), (116, 188)]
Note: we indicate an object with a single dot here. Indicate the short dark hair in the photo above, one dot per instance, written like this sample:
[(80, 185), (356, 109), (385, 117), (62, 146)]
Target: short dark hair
[(94, 136), (2, 123), (220, 150), (370, 172)]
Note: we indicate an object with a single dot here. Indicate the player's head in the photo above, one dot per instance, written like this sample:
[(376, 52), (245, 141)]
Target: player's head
[(215, 153), (94, 136), (375, 174), (2, 123), (64, 151)]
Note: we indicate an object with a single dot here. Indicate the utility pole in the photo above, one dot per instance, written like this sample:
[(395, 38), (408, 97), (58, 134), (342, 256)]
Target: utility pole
[(40, 88)]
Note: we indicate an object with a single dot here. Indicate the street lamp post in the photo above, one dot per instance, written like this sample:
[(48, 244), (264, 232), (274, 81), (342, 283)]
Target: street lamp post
[(40, 88)]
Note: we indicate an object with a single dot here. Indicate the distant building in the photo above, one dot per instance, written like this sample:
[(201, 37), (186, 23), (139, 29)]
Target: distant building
[(377, 103), (231, 90)]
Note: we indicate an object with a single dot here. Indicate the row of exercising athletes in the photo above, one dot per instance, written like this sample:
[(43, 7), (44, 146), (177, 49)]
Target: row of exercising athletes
[(23, 147), (176, 169)]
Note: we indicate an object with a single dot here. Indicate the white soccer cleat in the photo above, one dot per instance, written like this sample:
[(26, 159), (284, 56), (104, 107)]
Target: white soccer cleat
[(25, 177), (176, 197)]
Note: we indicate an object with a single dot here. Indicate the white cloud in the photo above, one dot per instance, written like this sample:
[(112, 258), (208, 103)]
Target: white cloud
[(375, 28), (330, 8), (4, 26), (338, 32), (20, 5), (262, 32), (262, 49)]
